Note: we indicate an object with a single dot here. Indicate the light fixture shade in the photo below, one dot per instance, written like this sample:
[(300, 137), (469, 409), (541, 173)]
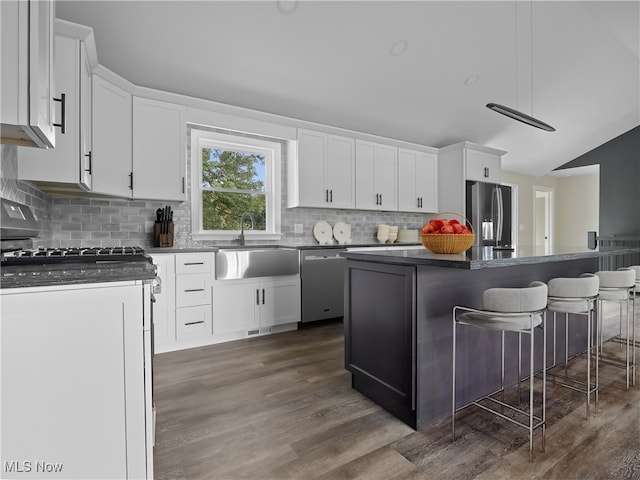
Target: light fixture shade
[(521, 117)]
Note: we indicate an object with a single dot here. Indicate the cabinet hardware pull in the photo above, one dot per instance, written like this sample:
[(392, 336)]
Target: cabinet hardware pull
[(188, 290), (257, 296), (486, 172), (131, 181), (263, 296), (193, 263), (331, 196), (63, 114), (377, 199), (194, 323), (326, 194), (183, 187), (380, 199), (90, 162)]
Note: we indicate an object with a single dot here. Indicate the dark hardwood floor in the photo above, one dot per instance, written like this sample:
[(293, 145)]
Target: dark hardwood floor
[(282, 407)]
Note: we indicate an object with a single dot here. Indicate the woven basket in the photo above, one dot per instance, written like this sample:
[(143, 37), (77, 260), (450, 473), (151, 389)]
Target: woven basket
[(449, 243)]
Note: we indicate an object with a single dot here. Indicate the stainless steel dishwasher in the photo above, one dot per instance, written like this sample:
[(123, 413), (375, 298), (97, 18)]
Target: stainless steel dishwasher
[(322, 284)]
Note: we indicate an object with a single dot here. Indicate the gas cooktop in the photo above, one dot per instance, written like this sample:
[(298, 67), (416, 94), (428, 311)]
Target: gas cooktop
[(48, 256)]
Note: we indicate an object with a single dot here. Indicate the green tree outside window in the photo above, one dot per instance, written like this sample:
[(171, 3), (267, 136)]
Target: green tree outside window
[(233, 182)]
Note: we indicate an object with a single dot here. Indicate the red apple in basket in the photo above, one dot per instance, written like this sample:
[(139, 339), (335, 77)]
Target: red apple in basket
[(428, 228)]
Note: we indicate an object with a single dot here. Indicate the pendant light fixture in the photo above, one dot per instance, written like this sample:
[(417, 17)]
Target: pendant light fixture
[(515, 114)]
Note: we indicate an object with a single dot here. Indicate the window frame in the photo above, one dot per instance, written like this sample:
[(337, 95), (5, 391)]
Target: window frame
[(273, 160)]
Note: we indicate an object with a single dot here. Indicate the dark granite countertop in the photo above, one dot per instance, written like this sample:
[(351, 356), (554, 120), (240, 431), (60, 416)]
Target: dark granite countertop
[(316, 246), (483, 257), (74, 273)]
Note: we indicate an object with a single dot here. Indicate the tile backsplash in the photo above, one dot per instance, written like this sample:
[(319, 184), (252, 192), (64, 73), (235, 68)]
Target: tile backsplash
[(86, 221)]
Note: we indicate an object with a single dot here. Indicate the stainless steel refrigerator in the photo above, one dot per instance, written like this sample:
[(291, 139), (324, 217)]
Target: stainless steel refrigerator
[(489, 211)]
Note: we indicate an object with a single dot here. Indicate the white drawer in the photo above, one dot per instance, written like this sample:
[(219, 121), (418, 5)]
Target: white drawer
[(193, 322), (193, 290), (194, 263)]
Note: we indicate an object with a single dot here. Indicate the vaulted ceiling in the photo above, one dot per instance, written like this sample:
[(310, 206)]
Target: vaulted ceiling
[(419, 71)]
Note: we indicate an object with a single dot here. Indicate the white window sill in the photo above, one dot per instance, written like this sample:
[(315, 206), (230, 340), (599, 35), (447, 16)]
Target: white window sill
[(233, 235)]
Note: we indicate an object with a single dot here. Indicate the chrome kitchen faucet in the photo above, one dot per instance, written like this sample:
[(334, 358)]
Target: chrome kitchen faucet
[(253, 225)]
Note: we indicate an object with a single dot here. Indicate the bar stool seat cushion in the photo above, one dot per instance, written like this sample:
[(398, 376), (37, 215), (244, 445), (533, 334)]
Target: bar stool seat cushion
[(621, 280), (501, 308), (512, 323), (614, 295), (570, 295)]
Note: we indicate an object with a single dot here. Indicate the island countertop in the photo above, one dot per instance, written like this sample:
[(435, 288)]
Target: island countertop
[(484, 257)]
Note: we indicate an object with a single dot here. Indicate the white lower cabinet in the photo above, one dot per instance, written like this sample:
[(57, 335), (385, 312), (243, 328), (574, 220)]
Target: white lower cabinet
[(164, 308), (194, 272), (193, 322), (235, 303), (192, 309), (256, 305), (74, 399), (280, 301)]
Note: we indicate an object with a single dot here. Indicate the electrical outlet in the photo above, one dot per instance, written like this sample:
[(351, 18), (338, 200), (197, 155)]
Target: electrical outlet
[(297, 228)]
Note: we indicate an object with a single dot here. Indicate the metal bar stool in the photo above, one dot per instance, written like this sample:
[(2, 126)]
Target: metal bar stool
[(518, 310), (619, 286), (636, 268), (577, 296)]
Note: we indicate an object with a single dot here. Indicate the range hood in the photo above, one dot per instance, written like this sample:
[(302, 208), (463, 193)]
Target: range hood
[(17, 221)]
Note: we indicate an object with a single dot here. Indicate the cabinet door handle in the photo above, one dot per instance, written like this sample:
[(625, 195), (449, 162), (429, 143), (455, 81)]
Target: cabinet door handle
[(326, 195), (377, 199), (195, 323), (263, 296), (331, 196), (183, 185), (193, 263), (63, 114), (380, 199), (131, 181), (90, 163), (189, 290), (486, 172), (257, 296)]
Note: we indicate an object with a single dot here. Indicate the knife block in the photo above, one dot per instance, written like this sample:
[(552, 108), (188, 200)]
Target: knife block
[(162, 239)]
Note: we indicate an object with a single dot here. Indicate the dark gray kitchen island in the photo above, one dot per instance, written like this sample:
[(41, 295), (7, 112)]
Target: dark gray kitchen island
[(398, 323)]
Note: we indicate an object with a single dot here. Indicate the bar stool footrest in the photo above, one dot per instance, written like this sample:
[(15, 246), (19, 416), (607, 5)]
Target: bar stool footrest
[(516, 410), (574, 380)]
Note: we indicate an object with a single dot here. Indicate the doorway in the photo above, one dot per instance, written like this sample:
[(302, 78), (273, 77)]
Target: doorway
[(543, 217)]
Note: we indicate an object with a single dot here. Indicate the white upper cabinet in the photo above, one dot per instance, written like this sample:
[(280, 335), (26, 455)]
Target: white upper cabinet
[(159, 150), (111, 135), (68, 165), (86, 150), (340, 171), (483, 166), (376, 176), (417, 181), (323, 173), (27, 85), (465, 161)]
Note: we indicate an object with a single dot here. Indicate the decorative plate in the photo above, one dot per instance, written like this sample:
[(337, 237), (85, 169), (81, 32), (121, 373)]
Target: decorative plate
[(342, 232), (322, 232)]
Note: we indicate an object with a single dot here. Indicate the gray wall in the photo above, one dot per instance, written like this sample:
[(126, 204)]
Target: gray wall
[(619, 161)]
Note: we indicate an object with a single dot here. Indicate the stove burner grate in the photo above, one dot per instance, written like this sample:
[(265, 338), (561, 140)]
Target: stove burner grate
[(46, 256)]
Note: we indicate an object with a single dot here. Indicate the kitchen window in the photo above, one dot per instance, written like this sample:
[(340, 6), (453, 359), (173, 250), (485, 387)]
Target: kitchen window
[(233, 175)]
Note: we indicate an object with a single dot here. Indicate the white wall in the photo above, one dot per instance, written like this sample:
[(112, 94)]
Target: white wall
[(578, 209), (576, 206)]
